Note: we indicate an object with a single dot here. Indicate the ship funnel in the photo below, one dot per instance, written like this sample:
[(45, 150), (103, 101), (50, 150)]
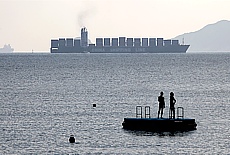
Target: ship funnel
[(84, 37)]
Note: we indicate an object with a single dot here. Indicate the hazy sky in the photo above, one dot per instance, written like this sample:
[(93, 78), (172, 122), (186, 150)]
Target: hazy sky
[(30, 24)]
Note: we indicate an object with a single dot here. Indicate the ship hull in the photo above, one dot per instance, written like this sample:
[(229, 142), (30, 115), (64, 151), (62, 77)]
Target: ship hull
[(110, 49)]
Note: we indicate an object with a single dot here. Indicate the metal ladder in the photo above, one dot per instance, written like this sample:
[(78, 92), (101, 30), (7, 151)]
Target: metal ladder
[(180, 112), (139, 112)]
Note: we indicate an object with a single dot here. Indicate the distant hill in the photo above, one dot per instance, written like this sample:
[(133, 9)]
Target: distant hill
[(213, 37)]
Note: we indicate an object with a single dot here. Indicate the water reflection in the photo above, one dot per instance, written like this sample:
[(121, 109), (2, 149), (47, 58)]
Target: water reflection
[(159, 134)]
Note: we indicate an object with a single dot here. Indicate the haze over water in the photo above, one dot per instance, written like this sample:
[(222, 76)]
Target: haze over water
[(47, 97)]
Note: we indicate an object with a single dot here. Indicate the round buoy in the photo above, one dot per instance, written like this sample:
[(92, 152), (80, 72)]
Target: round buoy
[(94, 105), (72, 139)]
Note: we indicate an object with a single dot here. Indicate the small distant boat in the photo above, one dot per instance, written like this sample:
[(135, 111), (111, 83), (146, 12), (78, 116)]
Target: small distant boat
[(146, 123), (6, 49)]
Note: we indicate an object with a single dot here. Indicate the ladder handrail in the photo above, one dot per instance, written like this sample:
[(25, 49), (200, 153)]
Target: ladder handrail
[(182, 112), (147, 111), (137, 113)]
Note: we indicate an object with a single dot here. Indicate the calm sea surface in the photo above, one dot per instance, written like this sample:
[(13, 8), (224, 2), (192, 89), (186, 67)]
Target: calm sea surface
[(45, 98)]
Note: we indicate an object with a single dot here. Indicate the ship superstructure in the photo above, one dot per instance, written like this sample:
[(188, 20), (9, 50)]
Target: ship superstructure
[(116, 45), (6, 49)]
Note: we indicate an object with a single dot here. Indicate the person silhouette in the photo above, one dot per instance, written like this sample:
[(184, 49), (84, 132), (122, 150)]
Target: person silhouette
[(172, 104), (161, 101)]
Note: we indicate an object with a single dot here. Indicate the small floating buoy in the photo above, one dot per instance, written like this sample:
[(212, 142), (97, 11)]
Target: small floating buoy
[(94, 105), (72, 139)]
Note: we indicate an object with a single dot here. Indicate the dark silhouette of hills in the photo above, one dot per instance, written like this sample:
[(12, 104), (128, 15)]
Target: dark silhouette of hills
[(213, 37)]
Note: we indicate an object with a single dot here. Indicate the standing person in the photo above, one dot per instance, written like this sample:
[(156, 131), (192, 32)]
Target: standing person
[(172, 103), (161, 101)]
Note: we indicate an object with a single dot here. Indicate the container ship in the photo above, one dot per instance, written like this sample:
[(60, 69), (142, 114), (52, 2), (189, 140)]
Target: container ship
[(116, 45)]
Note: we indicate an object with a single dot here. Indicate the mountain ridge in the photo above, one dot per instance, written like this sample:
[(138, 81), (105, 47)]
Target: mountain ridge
[(212, 37)]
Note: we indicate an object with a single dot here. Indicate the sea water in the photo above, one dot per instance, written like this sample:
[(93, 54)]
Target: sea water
[(45, 98)]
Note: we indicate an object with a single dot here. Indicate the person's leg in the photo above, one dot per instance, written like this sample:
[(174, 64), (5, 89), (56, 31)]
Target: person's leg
[(170, 113), (161, 112), (173, 113), (158, 112)]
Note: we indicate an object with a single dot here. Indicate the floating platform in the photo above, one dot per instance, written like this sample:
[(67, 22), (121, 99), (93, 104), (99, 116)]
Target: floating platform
[(159, 124)]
